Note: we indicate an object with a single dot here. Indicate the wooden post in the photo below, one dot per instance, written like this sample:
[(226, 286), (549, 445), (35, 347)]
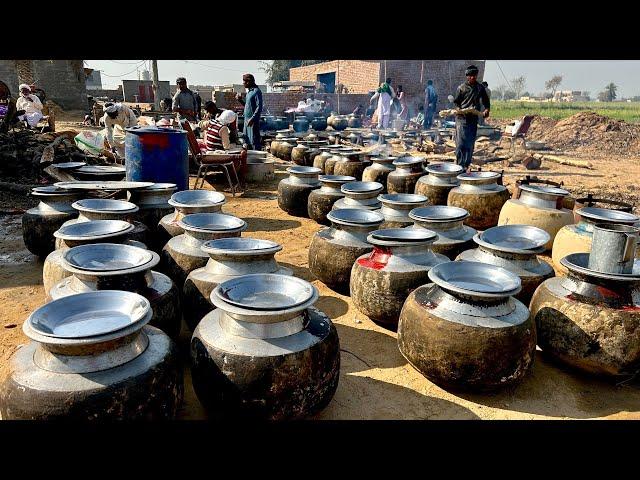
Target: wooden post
[(156, 99), (339, 88)]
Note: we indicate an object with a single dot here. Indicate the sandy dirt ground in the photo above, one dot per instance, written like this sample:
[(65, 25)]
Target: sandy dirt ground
[(376, 382)]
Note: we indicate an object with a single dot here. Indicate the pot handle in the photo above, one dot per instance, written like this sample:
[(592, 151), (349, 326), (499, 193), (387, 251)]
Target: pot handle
[(630, 247)]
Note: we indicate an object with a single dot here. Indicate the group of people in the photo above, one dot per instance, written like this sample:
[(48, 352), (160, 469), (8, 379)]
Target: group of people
[(27, 108)]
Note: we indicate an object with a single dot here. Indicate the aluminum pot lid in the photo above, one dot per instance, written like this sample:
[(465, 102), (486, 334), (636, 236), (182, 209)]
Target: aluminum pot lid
[(265, 291), (402, 198), (547, 190), (475, 279), (69, 165), (579, 262), (444, 168), (240, 246), (102, 169), (404, 236), (107, 257), (340, 179), (355, 217), (299, 170), (212, 222), (438, 213), (361, 187), (93, 229), (89, 314), (102, 185), (49, 190), (408, 161), (478, 176), (104, 205), (515, 237), (196, 198), (606, 215)]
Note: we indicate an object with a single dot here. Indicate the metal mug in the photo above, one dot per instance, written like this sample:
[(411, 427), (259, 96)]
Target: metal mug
[(613, 248)]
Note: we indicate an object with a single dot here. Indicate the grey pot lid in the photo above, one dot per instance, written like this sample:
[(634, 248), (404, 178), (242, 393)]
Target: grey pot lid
[(240, 246), (104, 205), (478, 176), (265, 291), (212, 222), (196, 198), (89, 314), (408, 161), (545, 189), (93, 229), (579, 262), (109, 257), (607, 216), (69, 165), (402, 236), (354, 188), (447, 169), (402, 198), (102, 185), (50, 191), (438, 213), (338, 179), (515, 238), (355, 217), (475, 279), (103, 169), (299, 170)]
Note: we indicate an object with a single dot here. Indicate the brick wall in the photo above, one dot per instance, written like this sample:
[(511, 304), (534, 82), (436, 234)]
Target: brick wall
[(359, 76)]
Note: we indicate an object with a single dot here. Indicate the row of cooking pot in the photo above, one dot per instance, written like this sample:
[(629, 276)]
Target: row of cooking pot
[(480, 334)]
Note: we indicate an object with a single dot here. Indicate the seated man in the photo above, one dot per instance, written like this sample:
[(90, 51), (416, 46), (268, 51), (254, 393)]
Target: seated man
[(418, 120), (117, 116), (217, 139), (212, 113), (31, 105), (8, 113)]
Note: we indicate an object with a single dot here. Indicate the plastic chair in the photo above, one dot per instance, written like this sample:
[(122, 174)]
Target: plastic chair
[(520, 133)]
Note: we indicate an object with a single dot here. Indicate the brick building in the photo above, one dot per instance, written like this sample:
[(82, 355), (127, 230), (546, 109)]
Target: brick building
[(64, 81), (362, 76)]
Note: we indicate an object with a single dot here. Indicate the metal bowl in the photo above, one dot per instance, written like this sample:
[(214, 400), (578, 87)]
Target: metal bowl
[(438, 214), (104, 205), (444, 169), (355, 217), (579, 262), (240, 246), (361, 188), (93, 230), (104, 185), (212, 222), (607, 216), (89, 314), (403, 235), (196, 198), (303, 170), (402, 199), (265, 291), (515, 237), (475, 279), (107, 257), (548, 190)]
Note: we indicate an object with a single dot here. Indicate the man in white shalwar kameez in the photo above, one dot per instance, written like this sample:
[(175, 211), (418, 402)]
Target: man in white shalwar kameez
[(31, 105), (118, 116), (385, 97)]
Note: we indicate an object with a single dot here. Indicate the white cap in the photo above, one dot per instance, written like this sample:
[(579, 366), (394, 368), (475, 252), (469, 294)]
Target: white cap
[(450, 98), (111, 108), (24, 85), (227, 117)]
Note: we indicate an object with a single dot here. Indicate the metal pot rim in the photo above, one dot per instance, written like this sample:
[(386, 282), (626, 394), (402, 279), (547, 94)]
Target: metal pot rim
[(444, 169), (550, 190), (448, 275), (139, 258), (360, 188), (490, 246), (110, 228), (355, 217), (606, 215), (197, 198), (438, 214), (226, 223), (402, 198), (338, 179), (108, 206), (578, 262), (478, 176), (300, 170), (498, 237), (239, 246), (402, 237)]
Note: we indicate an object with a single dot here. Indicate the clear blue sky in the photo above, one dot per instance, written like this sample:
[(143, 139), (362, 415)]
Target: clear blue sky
[(578, 75)]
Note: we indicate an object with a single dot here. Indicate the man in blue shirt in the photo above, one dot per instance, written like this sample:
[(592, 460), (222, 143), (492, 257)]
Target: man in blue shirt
[(430, 101), (252, 111)]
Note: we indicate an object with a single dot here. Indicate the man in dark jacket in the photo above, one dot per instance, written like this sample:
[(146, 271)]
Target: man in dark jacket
[(470, 94), (252, 111)]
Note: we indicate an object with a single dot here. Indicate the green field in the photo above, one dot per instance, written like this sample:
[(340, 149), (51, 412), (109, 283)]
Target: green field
[(629, 112)]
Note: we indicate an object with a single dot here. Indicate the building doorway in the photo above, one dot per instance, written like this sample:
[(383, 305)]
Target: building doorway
[(329, 81)]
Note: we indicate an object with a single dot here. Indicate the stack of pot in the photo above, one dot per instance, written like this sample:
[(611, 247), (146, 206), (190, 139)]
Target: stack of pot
[(590, 319), (577, 238), (406, 174), (454, 236), (515, 248), (92, 357), (441, 179), (228, 258), (111, 266), (539, 206), (186, 203), (153, 203), (361, 195), (382, 280), (465, 330), (294, 191), (265, 327), (182, 254), (321, 200), (260, 168), (481, 196), (39, 223), (333, 250)]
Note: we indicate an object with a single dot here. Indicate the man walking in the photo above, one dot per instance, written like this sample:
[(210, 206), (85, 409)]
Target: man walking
[(252, 111), (470, 94), (430, 103)]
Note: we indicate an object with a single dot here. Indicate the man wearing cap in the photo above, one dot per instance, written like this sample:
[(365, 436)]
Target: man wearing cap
[(184, 101), (252, 111), (31, 105), (120, 116), (470, 94)]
